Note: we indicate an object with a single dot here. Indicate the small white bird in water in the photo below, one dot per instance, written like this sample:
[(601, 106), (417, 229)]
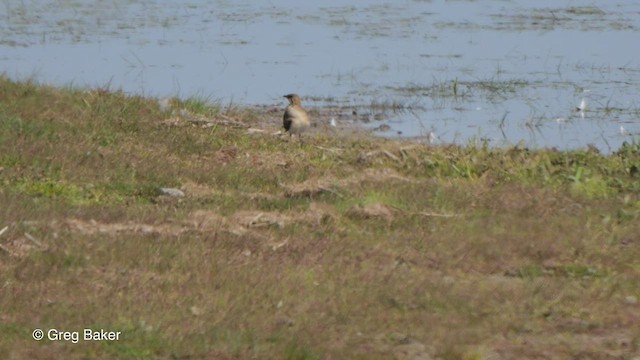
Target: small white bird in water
[(623, 131), (583, 105), (582, 108)]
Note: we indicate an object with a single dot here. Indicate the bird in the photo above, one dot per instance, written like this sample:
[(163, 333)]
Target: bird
[(583, 105), (295, 119)]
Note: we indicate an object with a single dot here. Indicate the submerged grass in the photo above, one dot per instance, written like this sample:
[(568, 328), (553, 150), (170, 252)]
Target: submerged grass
[(337, 247), (490, 89)]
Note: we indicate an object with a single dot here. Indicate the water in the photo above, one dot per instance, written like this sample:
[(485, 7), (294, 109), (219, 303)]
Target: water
[(498, 71)]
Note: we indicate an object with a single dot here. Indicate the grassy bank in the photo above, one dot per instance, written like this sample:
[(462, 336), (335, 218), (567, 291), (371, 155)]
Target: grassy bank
[(339, 247)]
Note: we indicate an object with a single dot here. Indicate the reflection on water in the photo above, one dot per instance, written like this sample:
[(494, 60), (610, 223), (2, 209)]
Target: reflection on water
[(500, 71)]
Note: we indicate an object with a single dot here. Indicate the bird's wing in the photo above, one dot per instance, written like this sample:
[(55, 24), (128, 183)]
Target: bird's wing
[(287, 119)]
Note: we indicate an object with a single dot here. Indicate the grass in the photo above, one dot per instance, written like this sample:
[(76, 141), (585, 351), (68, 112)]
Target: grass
[(339, 247), (491, 89), (572, 17)]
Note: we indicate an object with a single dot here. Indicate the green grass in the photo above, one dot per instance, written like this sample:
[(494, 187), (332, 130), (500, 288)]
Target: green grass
[(341, 247)]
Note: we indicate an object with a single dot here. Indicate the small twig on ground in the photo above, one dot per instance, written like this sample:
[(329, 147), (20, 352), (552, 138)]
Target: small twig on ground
[(256, 131), (229, 121), (254, 222), (383, 152), (436, 214), (333, 150), (307, 190), (404, 151), (219, 120), (423, 213), (390, 155), (35, 241), (323, 188), (2, 247), (277, 246)]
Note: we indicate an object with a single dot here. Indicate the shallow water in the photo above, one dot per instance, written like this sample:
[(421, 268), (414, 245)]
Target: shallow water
[(447, 71)]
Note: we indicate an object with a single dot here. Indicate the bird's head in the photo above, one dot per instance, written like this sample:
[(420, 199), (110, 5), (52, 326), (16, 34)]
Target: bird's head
[(294, 99)]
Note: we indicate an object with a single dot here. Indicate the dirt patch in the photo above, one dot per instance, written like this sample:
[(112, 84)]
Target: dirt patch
[(196, 190), (199, 220), (22, 246), (258, 219), (205, 220), (372, 211), (318, 213), (329, 184), (94, 227), (309, 188), (226, 154), (607, 345)]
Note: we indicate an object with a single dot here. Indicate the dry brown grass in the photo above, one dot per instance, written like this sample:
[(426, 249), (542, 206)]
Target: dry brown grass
[(341, 247)]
